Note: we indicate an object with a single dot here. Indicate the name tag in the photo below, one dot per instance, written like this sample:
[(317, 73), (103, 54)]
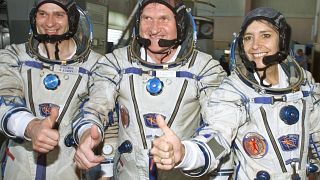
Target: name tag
[(165, 73), (66, 69)]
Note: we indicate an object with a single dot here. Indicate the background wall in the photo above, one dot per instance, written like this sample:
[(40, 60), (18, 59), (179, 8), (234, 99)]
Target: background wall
[(229, 15)]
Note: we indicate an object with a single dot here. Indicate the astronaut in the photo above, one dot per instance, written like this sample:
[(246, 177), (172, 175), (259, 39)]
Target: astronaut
[(44, 83), (267, 110), (159, 73)]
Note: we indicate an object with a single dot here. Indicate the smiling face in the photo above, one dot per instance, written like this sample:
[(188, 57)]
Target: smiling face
[(260, 39), (51, 19), (157, 21)]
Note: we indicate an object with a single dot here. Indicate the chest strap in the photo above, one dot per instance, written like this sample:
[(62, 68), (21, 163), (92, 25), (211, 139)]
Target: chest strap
[(285, 98), (59, 68), (161, 73)]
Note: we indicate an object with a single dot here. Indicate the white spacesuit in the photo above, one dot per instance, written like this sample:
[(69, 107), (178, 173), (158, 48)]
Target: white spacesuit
[(32, 83), (142, 89), (270, 128)]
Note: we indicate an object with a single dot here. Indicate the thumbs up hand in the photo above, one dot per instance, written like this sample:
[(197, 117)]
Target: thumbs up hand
[(167, 150), (85, 157), (43, 137)]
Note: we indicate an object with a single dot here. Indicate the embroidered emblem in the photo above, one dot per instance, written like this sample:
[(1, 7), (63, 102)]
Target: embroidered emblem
[(45, 109), (255, 145), (150, 120), (289, 142), (124, 115)]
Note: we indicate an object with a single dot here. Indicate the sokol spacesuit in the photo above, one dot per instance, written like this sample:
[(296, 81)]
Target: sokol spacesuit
[(272, 127), (32, 83), (177, 90)]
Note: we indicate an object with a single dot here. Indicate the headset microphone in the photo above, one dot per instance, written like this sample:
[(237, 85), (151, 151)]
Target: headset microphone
[(167, 43), (274, 59), (143, 41)]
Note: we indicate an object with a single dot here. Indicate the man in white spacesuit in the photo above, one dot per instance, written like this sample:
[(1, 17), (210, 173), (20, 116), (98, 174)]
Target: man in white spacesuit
[(267, 111), (159, 73), (44, 83)]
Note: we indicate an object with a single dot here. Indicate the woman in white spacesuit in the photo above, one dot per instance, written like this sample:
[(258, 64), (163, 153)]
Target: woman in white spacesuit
[(44, 83), (267, 111)]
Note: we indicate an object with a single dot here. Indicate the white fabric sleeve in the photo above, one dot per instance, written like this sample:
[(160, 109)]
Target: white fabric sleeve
[(18, 123), (193, 157), (107, 169), (83, 128)]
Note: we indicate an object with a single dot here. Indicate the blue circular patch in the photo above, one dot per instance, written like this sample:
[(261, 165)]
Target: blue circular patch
[(289, 114), (51, 81), (154, 86), (263, 175), (69, 141)]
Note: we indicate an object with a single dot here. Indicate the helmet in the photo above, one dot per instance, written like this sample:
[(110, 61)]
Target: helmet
[(82, 38), (278, 21), (73, 18), (186, 35), (181, 17), (246, 69)]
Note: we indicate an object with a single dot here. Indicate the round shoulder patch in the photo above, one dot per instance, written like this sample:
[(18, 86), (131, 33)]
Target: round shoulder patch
[(124, 116), (255, 145)]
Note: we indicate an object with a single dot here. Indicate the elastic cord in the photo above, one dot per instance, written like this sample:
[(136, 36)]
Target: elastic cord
[(264, 75), (145, 50), (56, 53), (46, 47), (166, 55)]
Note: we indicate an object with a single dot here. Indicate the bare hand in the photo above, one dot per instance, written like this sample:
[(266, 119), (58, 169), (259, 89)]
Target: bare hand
[(85, 157), (43, 137), (167, 150)]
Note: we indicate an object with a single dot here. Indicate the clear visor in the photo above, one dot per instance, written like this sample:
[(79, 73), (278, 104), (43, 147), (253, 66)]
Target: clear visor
[(82, 38), (63, 2), (290, 74)]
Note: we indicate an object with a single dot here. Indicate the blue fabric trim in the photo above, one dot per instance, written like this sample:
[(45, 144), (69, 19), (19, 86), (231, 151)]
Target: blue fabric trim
[(237, 171), (34, 64), (132, 70), (41, 167), (263, 100), (188, 75), (39, 65), (271, 100), (138, 71), (76, 130), (305, 93), (110, 118), (15, 102), (82, 103), (7, 116), (206, 163), (4, 163), (314, 146), (206, 157), (84, 71)]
